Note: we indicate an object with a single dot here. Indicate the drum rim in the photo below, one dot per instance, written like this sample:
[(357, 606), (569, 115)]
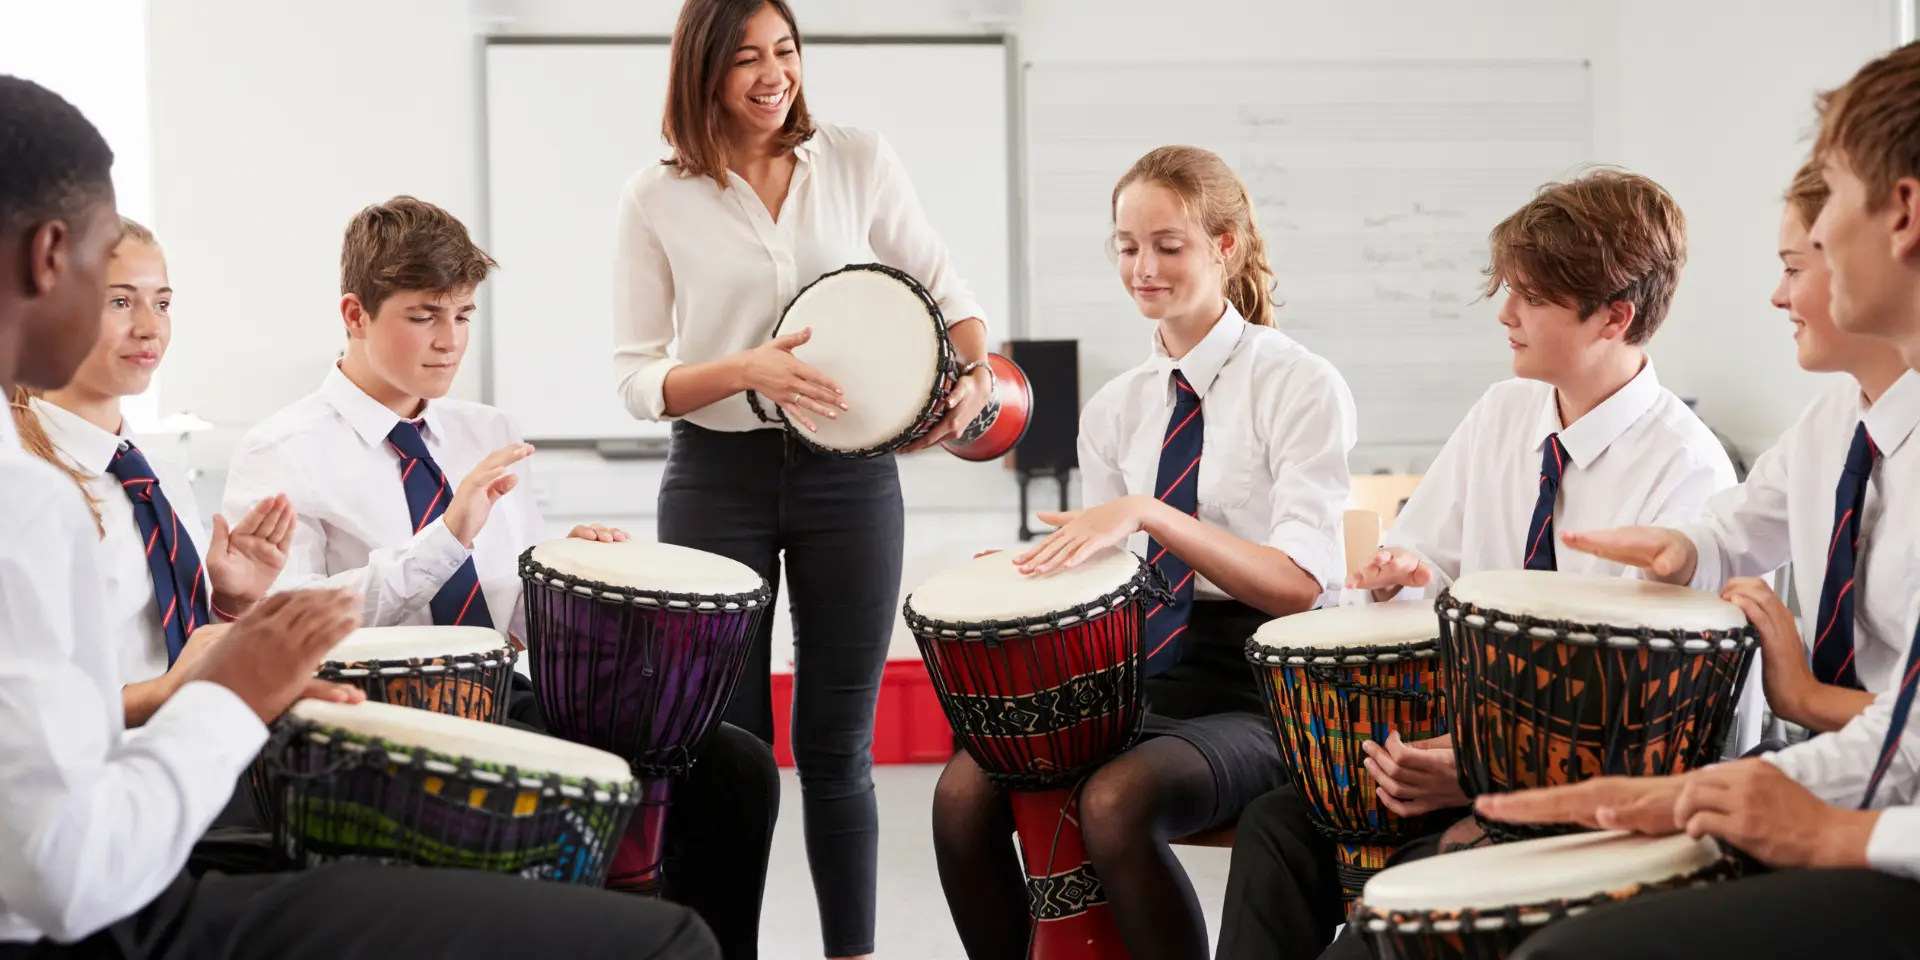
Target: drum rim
[(1533, 914), (1146, 581), (507, 654), (534, 572), (374, 752), (1582, 634), (946, 369), (1266, 655)]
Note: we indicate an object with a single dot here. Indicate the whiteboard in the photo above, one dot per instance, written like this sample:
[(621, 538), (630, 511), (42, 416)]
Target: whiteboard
[(1375, 185), (569, 122)]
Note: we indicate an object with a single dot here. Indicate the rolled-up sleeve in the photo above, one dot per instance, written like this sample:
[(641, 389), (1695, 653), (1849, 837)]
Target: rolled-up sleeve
[(903, 239), (1313, 427), (642, 308)]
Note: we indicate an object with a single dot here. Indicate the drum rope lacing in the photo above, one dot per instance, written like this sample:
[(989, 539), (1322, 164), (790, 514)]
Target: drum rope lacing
[(1149, 581), (946, 372), (717, 603), (347, 750), (424, 664), (1522, 916)]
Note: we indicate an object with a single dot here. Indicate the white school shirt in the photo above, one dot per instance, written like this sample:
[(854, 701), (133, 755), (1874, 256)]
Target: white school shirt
[(97, 819), (1639, 458), (1278, 421), (132, 616), (1784, 511), (707, 272), (328, 452)]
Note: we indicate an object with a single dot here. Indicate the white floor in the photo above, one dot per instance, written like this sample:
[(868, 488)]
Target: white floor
[(913, 919)]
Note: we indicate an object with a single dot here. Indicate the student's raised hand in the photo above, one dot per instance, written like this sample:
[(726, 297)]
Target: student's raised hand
[(243, 560), (1756, 807), (268, 657), (1414, 778), (1785, 677), (1640, 804), (595, 531), (1667, 555), (1083, 533), (473, 500), (1390, 569), (772, 371)]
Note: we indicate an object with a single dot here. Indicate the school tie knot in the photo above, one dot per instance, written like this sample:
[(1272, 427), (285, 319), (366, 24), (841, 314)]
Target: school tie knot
[(135, 474), (1861, 453), (409, 439)]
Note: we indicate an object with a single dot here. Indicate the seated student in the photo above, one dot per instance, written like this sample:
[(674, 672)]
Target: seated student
[(1585, 436), (368, 462), (152, 547), (1224, 457), (1839, 495), (98, 822)]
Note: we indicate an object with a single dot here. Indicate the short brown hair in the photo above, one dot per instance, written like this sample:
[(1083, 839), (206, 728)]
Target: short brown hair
[(704, 41), (1600, 238), (1873, 119), (1808, 193), (408, 244)]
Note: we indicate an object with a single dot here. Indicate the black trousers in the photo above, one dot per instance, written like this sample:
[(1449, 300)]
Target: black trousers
[(1283, 897), (363, 910), (839, 524)]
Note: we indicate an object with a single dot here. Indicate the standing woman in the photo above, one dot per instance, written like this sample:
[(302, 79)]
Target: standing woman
[(756, 202)]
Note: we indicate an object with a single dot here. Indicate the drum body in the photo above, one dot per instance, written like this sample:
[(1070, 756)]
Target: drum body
[(1557, 677), (374, 781), (635, 649), (1003, 422), (1335, 679), (1040, 677), (1482, 904), (462, 671)]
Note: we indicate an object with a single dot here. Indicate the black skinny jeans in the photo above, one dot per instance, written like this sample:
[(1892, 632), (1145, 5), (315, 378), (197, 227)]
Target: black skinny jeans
[(840, 524)]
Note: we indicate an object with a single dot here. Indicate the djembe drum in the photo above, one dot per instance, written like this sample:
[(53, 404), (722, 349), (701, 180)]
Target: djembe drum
[(1480, 904), (1558, 677), (635, 649), (375, 781), (463, 671), (1040, 676), (1334, 679)]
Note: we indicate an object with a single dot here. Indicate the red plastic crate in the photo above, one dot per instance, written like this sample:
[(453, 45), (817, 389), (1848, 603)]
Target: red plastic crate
[(909, 726)]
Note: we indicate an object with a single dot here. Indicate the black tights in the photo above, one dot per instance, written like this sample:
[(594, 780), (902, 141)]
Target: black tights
[(1130, 810)]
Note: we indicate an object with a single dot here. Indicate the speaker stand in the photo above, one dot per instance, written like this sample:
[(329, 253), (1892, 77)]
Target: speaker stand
[(1061, 477)]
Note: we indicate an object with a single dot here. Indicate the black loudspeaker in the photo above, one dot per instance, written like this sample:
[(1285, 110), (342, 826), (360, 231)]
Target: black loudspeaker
[(1053, 370)]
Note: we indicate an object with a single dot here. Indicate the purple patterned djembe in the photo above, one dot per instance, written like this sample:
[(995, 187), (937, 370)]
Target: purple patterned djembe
[(635, 648)]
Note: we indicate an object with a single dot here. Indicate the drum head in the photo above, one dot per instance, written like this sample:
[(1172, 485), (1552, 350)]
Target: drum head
[(1591, 599), (1367, 625), (415, 643), (651, 567), (990, 589), (531, 753), (878, 335), (1524, 872)]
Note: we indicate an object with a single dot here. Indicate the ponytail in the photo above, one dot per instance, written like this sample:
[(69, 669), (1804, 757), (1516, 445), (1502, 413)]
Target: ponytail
[(1220, 203), (1250, 280), (34, 437)]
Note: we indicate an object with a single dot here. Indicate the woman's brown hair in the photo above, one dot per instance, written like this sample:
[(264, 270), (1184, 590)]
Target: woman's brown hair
[(705, 40), (1216, 199)]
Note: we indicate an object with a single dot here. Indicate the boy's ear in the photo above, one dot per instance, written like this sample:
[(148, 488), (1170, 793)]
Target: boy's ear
[(1906, 223), (1618, 317), (355, 314)]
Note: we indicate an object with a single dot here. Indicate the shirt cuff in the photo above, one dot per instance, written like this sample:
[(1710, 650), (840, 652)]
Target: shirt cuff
[(1894, 846), (955, 309), (1310, 548), (213, 718), (1709, 572), (645, 392), (437, 552)]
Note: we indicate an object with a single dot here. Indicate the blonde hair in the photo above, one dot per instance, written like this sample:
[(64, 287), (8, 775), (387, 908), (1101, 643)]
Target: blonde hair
[(1216, 199), (131, 229), (1808, 194)]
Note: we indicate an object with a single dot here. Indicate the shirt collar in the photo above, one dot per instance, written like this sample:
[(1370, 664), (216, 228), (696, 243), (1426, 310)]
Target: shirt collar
[(1891, 421), (369, 418), (1591, 435), (1202, 364), (74, 435)]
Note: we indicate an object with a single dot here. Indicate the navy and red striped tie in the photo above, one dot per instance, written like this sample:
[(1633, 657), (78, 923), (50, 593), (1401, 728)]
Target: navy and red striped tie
[(1553, 466), (1833, 645), (1897, 727), (179, 579), (459, 602), (1177, 485)]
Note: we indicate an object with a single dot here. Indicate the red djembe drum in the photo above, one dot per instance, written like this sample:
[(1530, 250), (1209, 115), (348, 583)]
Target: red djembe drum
[(1040, 676)]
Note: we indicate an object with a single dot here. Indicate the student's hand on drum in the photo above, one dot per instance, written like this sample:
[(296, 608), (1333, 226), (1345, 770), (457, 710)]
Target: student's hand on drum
[(473, 500), (268, 657), (595, 531), (772, 371), (245, 559), (1389, 569), (1785, 677), (1414, 778), (964, 404), (1083, 533), (1640, 804), (1668, 555), (1756, 807)]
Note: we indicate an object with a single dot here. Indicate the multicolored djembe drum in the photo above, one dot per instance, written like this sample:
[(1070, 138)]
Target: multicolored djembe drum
[(374, 781), (463, 671), (1040, 677), (635, 649), (1334, 679), (1480, 904), (1559, 677)]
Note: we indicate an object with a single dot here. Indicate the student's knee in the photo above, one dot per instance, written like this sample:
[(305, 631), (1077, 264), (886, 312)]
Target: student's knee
[(967, 807), (1116, 811), (1271, 820)]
